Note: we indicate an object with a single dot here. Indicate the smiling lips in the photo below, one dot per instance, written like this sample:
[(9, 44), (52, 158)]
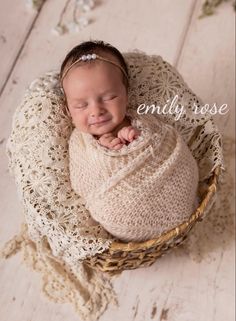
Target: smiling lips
[(101, 121)]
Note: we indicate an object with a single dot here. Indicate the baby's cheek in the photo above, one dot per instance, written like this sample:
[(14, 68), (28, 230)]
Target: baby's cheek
[(79, 122)]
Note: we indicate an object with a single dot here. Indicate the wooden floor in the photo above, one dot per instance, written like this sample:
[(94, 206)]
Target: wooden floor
[(186, 285)]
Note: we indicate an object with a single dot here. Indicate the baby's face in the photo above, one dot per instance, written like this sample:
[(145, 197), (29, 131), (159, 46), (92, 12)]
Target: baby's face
[(96, 97)]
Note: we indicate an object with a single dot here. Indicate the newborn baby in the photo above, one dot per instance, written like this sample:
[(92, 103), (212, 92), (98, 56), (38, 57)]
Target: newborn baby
[(135, 173)]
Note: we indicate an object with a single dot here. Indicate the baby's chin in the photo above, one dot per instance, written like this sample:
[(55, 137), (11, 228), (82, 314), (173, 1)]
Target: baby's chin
[(99, 133), (101, 129)]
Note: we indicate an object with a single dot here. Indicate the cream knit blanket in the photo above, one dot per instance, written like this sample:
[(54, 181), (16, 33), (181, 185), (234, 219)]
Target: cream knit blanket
[(142, 190), (38, 160)]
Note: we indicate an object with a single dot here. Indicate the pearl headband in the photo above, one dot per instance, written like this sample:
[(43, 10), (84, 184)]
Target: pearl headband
[(89, 57)]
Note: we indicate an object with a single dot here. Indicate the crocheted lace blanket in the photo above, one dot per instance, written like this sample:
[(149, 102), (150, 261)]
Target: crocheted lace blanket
[(38, 153), (38, 159), (141, 190)]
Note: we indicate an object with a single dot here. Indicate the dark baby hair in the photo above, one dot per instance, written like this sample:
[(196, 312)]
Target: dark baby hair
[(94, 46)]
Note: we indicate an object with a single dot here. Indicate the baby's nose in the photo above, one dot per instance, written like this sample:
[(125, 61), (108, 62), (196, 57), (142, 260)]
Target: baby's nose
[(97, 109)]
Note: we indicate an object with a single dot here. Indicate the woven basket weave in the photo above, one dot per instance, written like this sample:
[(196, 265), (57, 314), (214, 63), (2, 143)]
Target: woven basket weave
[(126, 256), (42, 103)]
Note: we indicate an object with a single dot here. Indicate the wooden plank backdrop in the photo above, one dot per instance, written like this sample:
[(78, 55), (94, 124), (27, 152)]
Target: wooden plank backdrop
[(15, 25), (177, 287)]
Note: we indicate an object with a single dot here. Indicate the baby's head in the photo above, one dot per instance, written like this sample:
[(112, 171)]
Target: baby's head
[(95, 87)]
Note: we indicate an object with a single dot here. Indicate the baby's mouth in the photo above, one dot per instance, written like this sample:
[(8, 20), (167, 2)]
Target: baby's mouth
[(101, 122)]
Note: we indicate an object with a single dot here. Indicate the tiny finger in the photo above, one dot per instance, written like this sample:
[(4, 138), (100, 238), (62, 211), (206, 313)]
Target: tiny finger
[(118, 146), (121, 137), (115, 141)]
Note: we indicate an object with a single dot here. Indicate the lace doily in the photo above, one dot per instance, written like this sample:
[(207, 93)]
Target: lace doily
[(217, 231), (38, 153), (38, 159)]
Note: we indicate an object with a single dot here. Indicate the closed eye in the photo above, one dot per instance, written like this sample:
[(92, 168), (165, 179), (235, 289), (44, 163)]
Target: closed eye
[(110, 97), (82, 105)]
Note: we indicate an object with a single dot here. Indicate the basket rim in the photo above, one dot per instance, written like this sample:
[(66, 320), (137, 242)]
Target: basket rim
[(174, 232)]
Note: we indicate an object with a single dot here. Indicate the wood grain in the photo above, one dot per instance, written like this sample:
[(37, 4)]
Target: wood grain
[(175, 288)]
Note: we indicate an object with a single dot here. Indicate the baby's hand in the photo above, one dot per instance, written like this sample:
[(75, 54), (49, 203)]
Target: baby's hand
[(128, 133), (109, 141)]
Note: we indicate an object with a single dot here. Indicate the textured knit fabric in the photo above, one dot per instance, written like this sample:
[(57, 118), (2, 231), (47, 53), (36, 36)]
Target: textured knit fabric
[(38, 155), (142, 190), (37, 150)]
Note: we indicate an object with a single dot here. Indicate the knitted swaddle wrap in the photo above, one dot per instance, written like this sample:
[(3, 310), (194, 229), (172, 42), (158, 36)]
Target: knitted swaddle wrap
[(142, 190), (38, 159)]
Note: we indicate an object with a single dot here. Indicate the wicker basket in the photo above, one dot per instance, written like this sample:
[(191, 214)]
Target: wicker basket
[(119, 256), (127, 256)]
